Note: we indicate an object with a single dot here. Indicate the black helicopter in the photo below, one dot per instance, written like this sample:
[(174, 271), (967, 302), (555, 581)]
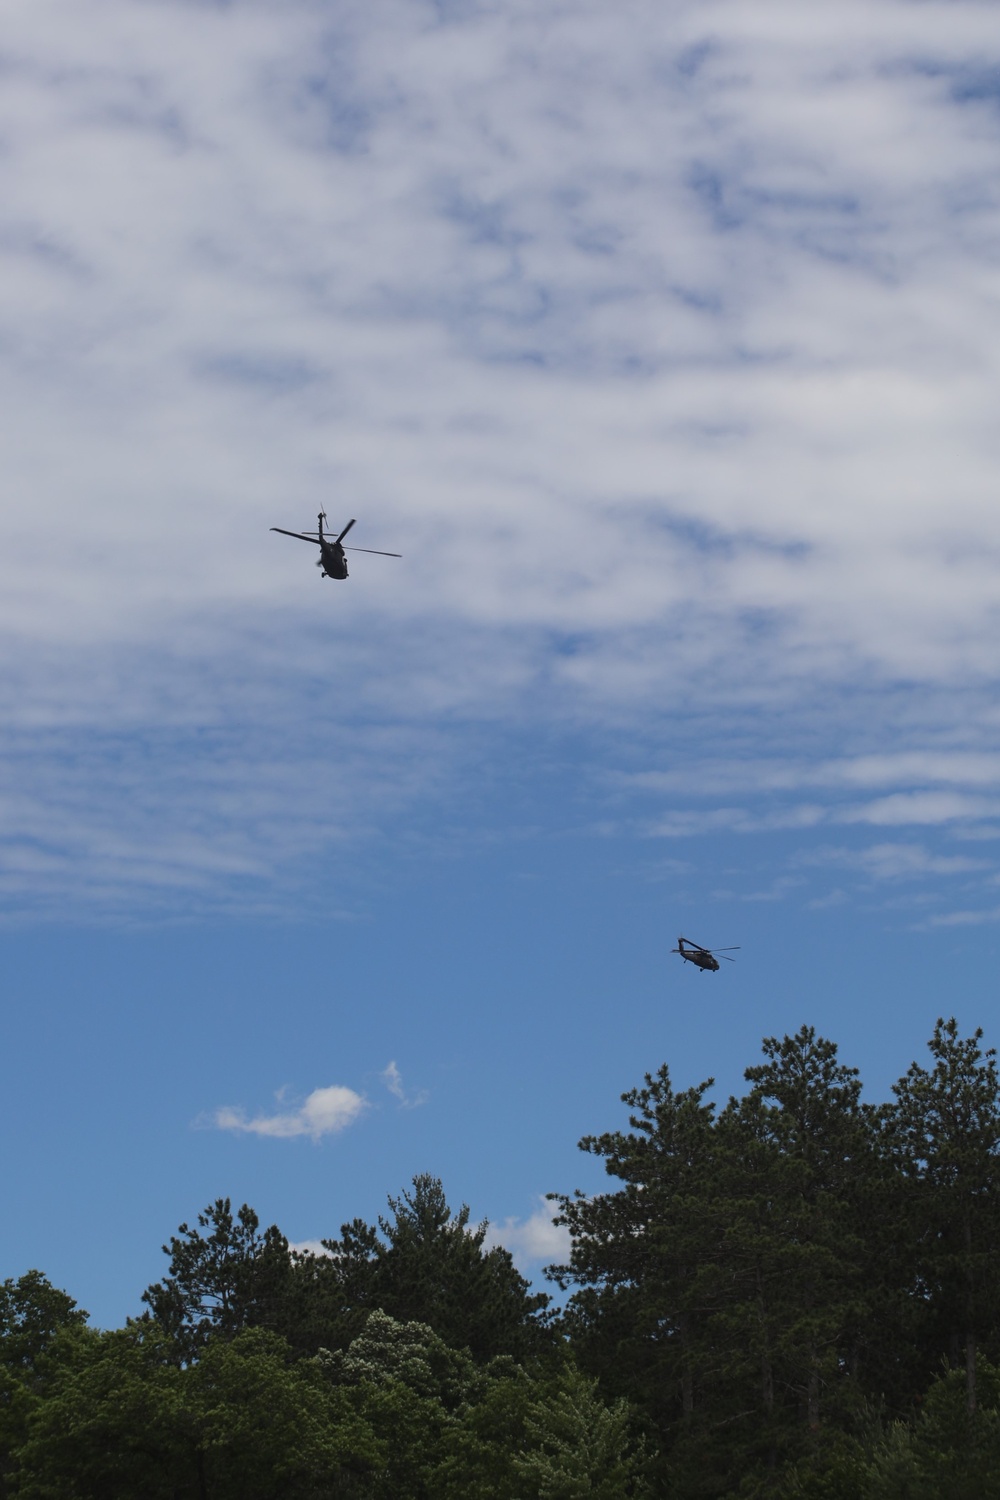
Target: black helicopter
[(703, 958), (331, 550)]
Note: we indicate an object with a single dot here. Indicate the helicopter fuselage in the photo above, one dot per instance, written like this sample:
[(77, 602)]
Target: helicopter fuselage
[(700, 957), (332, 560)]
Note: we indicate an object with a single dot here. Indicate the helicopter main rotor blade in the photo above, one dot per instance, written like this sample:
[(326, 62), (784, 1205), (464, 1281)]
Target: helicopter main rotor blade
[(373, 550), (727, 958), (302, 536), (344, 533), (733, 948)]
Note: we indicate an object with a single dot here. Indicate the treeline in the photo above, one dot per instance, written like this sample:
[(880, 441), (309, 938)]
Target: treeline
[(794, 1295)]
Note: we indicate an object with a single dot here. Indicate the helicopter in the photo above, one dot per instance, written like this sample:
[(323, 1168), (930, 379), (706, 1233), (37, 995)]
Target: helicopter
[(703, 958), (331, 549)]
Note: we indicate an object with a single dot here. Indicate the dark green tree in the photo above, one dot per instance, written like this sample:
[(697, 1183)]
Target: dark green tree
[(945, 1131), (638, 1315), (112, 1424), (434, 1268), (940, 1453), (270, 1427), (423, 1264), (32, 1311), (32, 1314), (123, 1418), (479, 1448), (721, 1288), (804, 1108), (231, 1278)]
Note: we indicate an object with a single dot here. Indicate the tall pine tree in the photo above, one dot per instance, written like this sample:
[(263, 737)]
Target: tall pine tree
[(945, 1129)]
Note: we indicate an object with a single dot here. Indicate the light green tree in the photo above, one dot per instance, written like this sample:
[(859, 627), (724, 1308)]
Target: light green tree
[(576, 1447)]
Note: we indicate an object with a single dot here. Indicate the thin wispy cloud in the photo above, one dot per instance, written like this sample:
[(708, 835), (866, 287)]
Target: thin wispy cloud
[(326, 1111), (965, 918), (393, 1080), (908, 808), (897, 861)]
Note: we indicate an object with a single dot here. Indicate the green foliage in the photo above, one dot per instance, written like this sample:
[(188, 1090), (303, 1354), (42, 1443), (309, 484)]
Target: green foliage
[(450, 1428), (430, 1266), (748, 1286), (32, 1315), (944, 1129), (576, 1445), (944, 1451), (480, 1447), (948, 1450), (425, 1264), (32, 1311), (410, 1354), (112, 1423), (272, 1429), (231, 1278), (122, 1419)]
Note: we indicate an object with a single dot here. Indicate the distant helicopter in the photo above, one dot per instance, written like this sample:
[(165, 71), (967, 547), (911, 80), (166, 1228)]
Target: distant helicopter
[(703, 958), (331, 551)]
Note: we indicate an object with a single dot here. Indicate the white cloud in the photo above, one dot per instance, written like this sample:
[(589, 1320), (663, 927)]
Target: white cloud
[(701, 821), (534, 1240), (325, 1111), (896, 861), (393, 1080), (964, 918), (923, 768), (921, 807), (308, 1247)]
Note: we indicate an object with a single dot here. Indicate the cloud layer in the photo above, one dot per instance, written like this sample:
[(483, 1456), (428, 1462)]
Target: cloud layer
[(660, 341)]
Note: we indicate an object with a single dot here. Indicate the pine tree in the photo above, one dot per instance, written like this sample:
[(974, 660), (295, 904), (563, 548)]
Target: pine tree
[(637, 1317), (429, 1265), (945, 1126), (232, 1278), (721, 1287)]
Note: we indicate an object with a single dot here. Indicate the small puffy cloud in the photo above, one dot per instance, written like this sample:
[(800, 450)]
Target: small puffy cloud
[(393, 1080), (324, 1112), (533, 1240)]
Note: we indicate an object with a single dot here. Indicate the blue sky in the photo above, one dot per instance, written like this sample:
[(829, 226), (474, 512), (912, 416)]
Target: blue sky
[(661, 340)]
